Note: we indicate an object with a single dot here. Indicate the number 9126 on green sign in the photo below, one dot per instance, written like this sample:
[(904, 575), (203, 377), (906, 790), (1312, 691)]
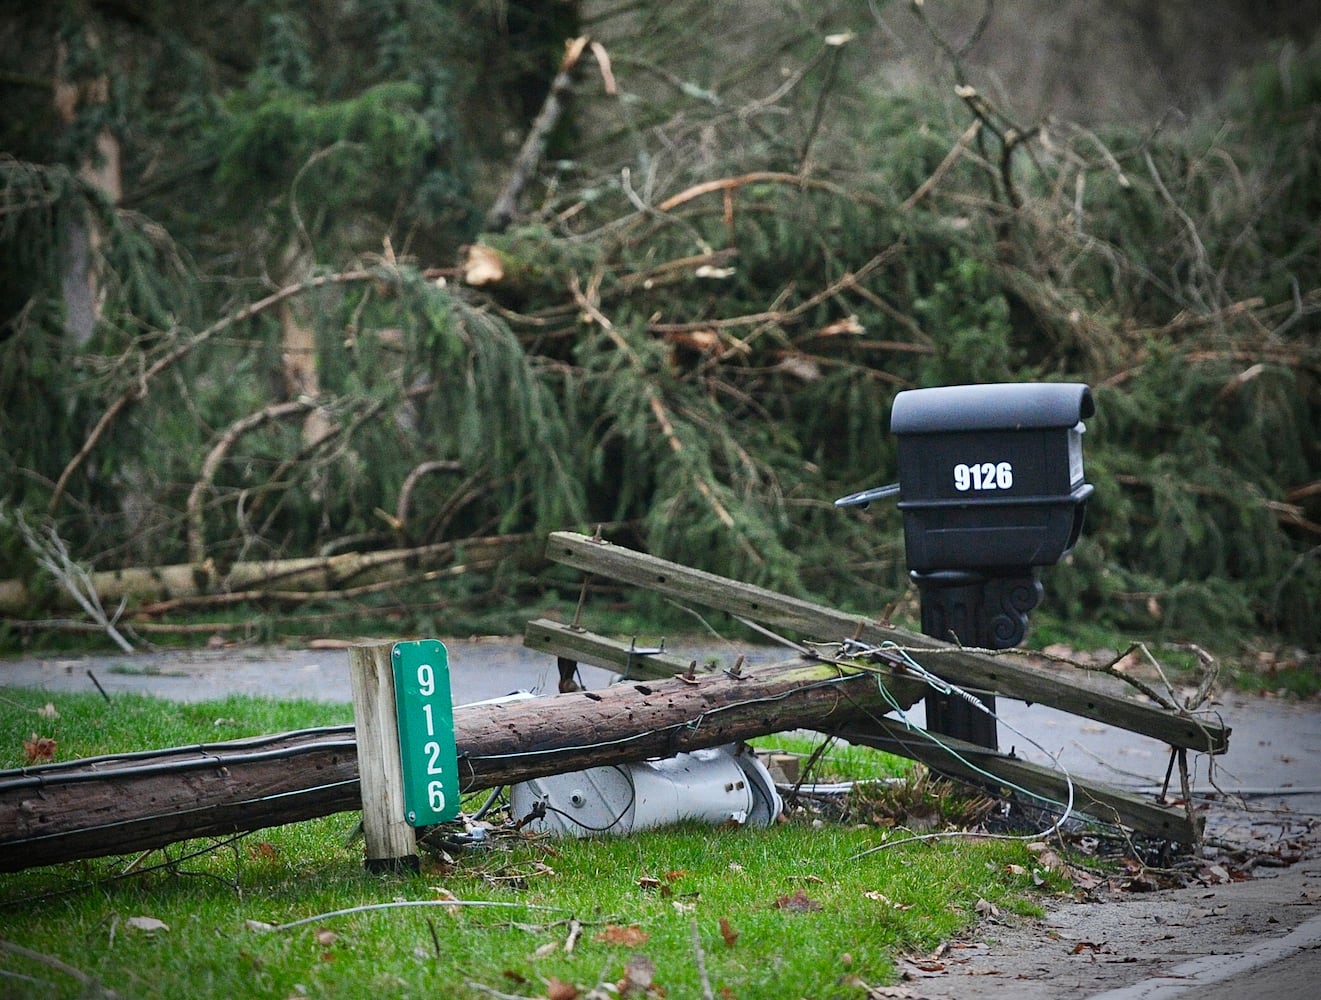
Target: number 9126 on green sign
[(426, 731)]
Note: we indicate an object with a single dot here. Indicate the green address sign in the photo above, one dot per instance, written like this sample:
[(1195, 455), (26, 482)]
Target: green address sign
[(426, 731)]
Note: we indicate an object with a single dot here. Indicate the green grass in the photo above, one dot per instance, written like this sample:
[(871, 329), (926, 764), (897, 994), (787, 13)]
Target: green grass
[(853, 916)]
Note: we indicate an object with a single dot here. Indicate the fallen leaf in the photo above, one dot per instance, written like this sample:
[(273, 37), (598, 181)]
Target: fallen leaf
[(47, 711), (557, 990), (921, 968), (638, 976), (549, 948), (881, 897), (728, 933), (799, 902), (326, 937), (148, 925), (986, 909), (630, 937), (39, 749)]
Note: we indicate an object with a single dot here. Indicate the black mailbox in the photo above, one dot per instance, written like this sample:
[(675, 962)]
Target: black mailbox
[(991, 476)]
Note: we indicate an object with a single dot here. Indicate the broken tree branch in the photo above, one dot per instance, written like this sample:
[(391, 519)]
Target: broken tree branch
[(152, 584), (139, 388), (53, 556), (533, 149), (654, 401), (196, 518)]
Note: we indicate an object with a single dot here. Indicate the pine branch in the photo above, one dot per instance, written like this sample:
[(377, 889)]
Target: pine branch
[(140, 388)]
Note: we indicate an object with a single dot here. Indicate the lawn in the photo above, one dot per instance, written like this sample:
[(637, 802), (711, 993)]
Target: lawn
[(691, 911)]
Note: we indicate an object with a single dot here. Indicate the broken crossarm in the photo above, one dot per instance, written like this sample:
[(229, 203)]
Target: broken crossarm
[(974, 763), (964, 667)]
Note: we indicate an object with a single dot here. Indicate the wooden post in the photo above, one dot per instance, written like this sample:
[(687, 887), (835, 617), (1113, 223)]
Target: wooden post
[(391, 842)]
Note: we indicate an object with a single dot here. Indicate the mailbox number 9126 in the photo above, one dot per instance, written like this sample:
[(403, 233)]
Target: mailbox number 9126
[(983, 476)]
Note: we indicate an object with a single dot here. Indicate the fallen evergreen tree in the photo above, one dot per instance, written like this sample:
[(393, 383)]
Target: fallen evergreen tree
[(693, 327)]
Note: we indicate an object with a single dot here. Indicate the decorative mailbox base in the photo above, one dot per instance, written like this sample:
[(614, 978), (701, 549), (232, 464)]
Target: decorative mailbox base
[(985, 612)]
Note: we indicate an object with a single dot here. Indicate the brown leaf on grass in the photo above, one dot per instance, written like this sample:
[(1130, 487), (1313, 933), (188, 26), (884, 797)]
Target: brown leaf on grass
[(639, 976), (728, 933), (630, 937), (558, 990), (651, 882), (39, 749), (799, 902)]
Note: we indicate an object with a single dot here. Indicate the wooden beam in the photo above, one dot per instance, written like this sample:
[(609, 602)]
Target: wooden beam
[(963, 667), (578, 644), (1093, 798)]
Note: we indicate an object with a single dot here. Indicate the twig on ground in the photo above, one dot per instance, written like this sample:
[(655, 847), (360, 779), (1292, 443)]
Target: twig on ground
[(700, 957), (50, 961), (405, 904)]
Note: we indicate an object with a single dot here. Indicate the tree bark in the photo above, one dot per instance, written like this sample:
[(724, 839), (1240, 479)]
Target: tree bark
[(94, 808), (81, 282), (157, 584)]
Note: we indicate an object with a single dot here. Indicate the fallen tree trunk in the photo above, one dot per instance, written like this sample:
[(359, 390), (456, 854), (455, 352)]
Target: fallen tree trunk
[(158, 584), (133, 802)]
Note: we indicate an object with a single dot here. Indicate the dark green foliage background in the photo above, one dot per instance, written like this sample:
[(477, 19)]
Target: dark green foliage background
[(1177, 270)]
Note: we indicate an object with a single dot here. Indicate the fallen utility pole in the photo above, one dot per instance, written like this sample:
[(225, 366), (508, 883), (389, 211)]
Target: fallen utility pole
[(138, 801), (944, 754), (964, 667)]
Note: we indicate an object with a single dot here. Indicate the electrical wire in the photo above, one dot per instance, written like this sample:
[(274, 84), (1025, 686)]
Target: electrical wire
[(947, 688), (212, 755)]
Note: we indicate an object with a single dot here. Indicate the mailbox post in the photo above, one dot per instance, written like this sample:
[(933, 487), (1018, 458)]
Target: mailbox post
[(991, 488)]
